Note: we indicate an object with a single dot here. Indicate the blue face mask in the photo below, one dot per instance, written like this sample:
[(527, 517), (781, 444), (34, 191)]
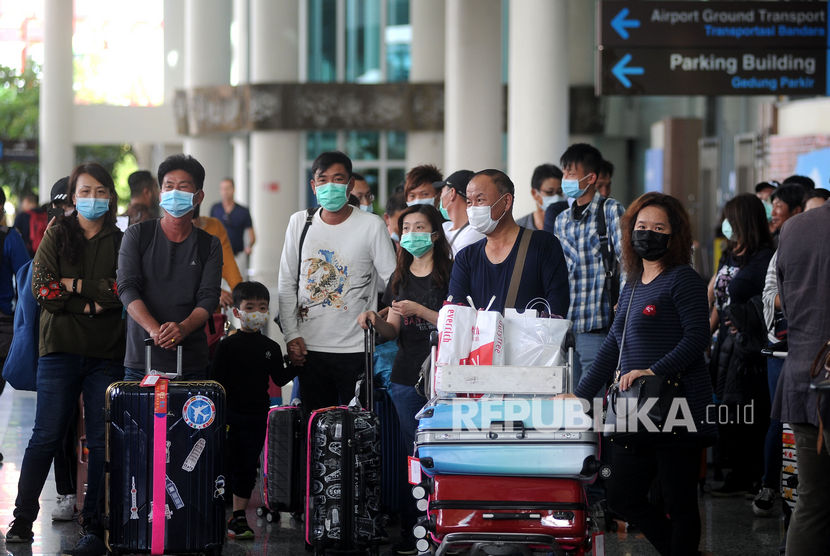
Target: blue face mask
[(366, 208), (571, 188), (176, 203), (549, 200), (92, 208), (395, 237), (768, 209), (726, 228), (332, 196), (443, 210), (427, 201)]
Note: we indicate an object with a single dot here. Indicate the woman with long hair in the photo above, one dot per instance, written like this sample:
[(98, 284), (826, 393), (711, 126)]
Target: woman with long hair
[(663, 317), (415, 293), (82, 342), (740, 374)]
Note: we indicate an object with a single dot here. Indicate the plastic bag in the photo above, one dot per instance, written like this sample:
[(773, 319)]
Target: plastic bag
[(455, 329), (534, 341), (487, 346)]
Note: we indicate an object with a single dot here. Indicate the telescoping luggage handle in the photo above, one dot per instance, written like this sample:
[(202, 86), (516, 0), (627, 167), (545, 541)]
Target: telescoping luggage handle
[(369, 365), (148, 367)]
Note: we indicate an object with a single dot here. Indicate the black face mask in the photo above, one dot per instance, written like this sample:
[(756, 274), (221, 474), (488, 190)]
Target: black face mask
[(650, 245)]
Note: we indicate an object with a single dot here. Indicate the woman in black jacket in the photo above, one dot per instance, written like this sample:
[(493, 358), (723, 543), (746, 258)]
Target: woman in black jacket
[(739, 370)]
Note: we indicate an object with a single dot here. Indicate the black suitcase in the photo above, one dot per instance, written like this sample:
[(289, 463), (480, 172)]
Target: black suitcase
[(192, 457), (343, 496), (392, 452), (284, 461)]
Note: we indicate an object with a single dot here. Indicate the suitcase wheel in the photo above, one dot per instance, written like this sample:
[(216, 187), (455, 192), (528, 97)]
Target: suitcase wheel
[(271, 517), (261, 511)]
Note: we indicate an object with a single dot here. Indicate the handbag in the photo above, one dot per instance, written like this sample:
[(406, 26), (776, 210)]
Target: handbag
[(621, 405)]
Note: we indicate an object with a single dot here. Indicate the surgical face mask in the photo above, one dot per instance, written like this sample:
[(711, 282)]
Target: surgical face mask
[(549, 200), (571, 188), (417, 243), (650, 245), (366, 208), (395, 237), (726, 228), (332, 196), (427, 201), (443, 210), (176, 203), (253, 320), (480, 219), (92, 208), (768, 209)]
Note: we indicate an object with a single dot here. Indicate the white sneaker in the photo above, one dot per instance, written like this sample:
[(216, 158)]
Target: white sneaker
[(65, 511)]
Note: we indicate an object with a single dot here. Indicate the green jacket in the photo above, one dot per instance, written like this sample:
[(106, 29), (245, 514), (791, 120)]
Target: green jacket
[(64, 327)]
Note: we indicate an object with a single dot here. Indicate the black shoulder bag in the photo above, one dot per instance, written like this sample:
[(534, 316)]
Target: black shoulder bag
[(609, 261), (655, 390)]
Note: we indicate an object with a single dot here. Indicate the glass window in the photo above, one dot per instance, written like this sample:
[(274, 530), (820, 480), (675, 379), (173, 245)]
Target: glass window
[(396, 145), (398, 39), (319, 142), (322, 40), (394, 178), (363, 41), (363, 145)]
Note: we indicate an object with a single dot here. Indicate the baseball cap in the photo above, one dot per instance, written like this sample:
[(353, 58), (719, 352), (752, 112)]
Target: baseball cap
[(458, 180), (60, 189)]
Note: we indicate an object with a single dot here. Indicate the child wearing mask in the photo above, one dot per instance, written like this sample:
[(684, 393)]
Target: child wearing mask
[(242, 364)]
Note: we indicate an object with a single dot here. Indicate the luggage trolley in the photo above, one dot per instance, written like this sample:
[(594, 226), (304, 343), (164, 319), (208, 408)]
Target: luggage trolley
[(503, 469)]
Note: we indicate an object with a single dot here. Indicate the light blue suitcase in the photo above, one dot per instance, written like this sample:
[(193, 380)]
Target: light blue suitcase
[(530, 437)]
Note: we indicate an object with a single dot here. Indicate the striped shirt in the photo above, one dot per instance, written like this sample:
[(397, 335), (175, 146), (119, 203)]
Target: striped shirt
[(589, 309)]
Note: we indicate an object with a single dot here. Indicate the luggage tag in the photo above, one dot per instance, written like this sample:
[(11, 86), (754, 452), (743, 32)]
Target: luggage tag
[(414, 470), (598, 543)]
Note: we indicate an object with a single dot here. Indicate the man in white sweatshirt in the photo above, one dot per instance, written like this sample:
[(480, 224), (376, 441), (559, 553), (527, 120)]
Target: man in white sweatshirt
[(328, 276)]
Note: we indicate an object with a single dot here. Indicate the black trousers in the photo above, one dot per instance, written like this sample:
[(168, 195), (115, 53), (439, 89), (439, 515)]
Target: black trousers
[(246, 437), (675, 528), (329, 379)]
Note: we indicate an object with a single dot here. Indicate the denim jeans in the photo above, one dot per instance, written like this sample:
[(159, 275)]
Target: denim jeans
[(61, 378), (772, 443), (587, 347), (407, 403)]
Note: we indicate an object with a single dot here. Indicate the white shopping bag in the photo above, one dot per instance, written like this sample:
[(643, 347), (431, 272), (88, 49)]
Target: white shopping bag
[(488, 339), (455, 334), (533, 341)]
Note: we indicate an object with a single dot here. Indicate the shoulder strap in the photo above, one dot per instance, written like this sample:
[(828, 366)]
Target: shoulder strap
[(145, 235), (516, 277), (602, 232), (625, 324), (203, 241), (458, 233), (309, 218)]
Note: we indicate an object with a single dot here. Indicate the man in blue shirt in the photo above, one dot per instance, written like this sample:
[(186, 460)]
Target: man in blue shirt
[(578, 230), (485, 268), (13, 255), (237, 222)]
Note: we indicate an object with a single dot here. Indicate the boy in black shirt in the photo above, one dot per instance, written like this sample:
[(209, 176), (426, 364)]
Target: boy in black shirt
[(242, 364)]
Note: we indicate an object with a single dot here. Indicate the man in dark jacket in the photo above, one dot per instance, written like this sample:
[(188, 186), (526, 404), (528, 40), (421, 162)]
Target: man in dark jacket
[(803, 267)]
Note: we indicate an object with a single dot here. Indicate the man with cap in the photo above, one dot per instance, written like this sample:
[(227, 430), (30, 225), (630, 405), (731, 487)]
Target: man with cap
[(453, 207), (32, 223), (513, 264)]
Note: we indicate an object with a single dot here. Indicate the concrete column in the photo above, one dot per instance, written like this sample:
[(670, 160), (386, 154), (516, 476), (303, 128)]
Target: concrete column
[(472, 88), (207, 62), (275, 155), (426, 18), (57, 153), (241, 155), (537, 124)]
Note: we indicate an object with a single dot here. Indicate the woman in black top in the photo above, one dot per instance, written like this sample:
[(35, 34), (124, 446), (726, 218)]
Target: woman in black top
[(739, 372), (666, 334), (415, 292)]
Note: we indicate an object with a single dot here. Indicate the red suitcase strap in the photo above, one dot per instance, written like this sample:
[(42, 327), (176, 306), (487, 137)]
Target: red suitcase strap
[(159, 460)]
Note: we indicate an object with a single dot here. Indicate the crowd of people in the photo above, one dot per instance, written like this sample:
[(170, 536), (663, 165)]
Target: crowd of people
[(624, 277)]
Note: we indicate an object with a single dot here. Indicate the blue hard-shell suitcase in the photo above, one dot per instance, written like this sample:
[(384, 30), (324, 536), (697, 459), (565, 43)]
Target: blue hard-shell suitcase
[(532, 437)]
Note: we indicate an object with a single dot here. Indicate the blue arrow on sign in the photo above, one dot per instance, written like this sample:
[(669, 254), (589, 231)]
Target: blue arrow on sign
[(620, 71), (620, 23)]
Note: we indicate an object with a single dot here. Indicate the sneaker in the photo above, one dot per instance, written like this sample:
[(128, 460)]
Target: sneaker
[(89, 544), (764, 503), (65, 510), (238, 529), (404, 546), (19, 531)]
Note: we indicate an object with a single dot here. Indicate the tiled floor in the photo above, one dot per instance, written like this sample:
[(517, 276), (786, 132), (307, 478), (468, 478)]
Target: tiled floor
[(728, 525)]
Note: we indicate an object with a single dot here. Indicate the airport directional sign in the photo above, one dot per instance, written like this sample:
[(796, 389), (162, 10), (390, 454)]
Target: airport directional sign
[(627, 23), (698, 71), (713, 48)]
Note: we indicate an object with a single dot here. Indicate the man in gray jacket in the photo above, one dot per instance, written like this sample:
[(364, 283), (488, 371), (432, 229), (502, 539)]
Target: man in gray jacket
[(803, 269), (169, 273)]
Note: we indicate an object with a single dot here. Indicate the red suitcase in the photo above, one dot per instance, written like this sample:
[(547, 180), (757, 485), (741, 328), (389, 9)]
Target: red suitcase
[(469, 510)]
